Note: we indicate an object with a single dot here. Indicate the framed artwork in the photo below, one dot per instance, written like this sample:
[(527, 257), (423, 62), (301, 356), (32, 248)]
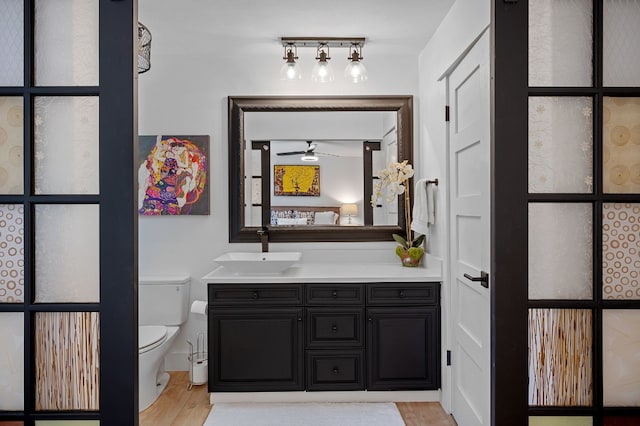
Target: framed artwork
[(296, 180), (172, 175)]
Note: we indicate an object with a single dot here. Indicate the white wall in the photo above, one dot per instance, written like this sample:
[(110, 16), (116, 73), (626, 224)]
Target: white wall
[(187, 93), (466, 20)]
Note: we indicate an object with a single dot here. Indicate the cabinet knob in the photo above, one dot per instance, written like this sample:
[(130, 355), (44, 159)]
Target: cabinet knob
[(334, 328), (370, 319), (334, 293), (336, 370), (255, 295), (300, 319), (401, 293)]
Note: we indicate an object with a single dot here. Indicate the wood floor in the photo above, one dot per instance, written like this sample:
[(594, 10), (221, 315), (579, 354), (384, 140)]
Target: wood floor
[(178, 406)]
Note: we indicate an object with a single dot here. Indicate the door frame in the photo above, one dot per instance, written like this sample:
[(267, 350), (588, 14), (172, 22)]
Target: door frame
[(509, 200), (118, 207)]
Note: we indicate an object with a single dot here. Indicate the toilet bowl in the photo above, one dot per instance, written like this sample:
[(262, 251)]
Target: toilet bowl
[(162, 309), (154, 342)]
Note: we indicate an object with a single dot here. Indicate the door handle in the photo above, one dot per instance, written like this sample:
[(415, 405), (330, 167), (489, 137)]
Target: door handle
[(483, 279)]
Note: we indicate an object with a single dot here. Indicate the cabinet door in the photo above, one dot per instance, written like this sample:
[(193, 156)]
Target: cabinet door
[(255, 349), (403, 348)]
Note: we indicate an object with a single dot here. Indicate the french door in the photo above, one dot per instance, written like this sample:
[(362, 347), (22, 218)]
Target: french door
[(68, 234), (566, 205)]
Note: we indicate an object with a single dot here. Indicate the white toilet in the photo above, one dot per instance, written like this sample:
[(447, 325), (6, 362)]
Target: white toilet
[(163, 306)]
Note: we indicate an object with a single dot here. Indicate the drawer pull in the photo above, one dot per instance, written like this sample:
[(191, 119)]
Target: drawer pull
[(255, 295), (336, 370), (334, 328), (401, 293), (334, 293)]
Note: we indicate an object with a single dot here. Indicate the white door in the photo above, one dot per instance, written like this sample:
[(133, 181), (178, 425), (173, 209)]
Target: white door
[(469, 173)]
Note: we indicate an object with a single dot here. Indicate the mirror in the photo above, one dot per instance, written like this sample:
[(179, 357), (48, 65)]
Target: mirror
[(349, 139)]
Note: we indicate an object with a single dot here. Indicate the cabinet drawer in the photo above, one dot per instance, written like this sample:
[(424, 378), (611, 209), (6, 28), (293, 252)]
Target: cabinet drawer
[(403, 294), (335, 370), (335, 294), (241, 294), (334, 327)]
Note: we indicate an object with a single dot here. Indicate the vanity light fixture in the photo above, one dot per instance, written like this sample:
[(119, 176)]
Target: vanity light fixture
[(290, 70), (355, 70), (322, 70)]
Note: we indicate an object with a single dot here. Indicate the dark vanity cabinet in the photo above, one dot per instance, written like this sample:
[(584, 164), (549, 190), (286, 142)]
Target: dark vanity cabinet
[(324, 336), (255, 337), (335, 337), (403, 336)]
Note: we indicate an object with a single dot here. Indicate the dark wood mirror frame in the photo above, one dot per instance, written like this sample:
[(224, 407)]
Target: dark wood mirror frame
[(238, 105)]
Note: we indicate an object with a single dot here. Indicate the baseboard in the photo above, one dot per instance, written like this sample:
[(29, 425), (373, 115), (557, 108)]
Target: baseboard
[(342, 396)]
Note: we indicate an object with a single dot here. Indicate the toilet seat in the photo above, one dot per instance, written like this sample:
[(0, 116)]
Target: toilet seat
[(150, 337)]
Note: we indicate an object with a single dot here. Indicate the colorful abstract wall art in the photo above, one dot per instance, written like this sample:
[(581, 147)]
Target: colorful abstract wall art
[(296, 180), (172, 176)]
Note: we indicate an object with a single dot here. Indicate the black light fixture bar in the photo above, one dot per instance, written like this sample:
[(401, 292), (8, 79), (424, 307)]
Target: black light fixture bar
[(329, 41)]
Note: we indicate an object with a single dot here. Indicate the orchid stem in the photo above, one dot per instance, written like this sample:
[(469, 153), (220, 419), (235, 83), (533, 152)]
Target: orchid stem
[(407, 213)]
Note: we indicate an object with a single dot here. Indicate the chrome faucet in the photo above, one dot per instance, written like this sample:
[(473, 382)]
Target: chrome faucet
[(264, 238)]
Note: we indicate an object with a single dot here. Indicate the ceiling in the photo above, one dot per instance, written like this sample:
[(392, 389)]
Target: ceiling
[(204, 24)]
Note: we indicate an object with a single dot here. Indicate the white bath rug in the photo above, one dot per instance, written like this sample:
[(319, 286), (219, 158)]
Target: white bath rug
[(304, 414)]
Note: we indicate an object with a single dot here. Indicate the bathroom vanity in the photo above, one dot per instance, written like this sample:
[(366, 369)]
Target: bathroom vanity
[(325, 327)]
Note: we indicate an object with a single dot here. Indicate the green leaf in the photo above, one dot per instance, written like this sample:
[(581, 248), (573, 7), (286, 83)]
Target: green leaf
[(400, 240), (418, 241)]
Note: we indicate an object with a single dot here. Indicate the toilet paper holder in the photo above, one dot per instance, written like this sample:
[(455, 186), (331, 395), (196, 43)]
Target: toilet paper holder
[(197, 362)]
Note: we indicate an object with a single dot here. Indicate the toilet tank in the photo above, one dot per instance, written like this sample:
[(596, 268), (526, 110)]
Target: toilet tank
[(163, 300)]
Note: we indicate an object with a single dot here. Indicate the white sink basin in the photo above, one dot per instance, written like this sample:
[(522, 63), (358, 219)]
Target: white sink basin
[(258, 263)]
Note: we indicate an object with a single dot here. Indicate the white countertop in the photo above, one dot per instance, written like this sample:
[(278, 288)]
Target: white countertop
[(337, 271)]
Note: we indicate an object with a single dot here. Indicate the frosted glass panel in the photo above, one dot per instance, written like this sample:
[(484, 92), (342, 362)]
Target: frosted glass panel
[(67, 360), (621, 251), (11, 42), (551, 226), (560, 43), (11, 253), (66, 145), (621, 62), (66, 45), (560, 144), (12, 361), (560, 421), (11, 145), (560, 346), (621, 140), (67, 253), (621, 360)]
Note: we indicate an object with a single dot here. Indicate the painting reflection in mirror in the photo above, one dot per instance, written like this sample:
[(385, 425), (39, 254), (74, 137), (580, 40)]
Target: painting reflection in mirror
[(296, 180)]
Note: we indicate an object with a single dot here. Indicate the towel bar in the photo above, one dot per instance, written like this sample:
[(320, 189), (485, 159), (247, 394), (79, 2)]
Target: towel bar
[(435, 182)]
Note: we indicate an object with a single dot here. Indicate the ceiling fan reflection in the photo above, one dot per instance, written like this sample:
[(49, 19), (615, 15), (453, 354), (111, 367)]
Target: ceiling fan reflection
[(309, 154)]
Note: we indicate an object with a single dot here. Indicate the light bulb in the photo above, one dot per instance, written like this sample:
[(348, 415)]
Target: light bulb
[(355, 72), (322, 70), (290, 71)]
